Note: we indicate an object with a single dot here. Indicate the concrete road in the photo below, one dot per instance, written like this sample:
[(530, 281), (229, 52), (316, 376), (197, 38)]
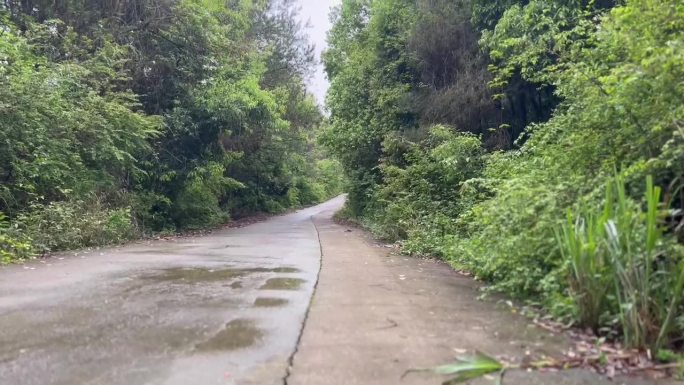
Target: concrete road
[(230, 308), (226, 308)]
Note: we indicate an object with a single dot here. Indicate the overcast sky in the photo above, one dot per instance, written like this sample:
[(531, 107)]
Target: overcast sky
[(315, 12)]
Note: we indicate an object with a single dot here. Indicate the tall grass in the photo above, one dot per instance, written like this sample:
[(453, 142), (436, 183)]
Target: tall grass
[(623, 267), (588, 280)]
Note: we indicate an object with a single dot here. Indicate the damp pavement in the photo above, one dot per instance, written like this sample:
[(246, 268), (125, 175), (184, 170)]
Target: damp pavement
[(248, 306), (226, 308)]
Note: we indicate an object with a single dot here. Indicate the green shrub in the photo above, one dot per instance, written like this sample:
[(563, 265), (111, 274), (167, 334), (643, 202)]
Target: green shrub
[(273, 206), (625, 267), (71, 225), (152, 212), (197, 205), (508, 240), (293, 198), (305, 191), (14, 250), (11, 248), (421, 200), (118, 227), (309, 191), (330, 175)]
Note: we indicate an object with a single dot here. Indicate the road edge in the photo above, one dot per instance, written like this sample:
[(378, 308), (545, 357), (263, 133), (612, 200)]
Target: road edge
[(291, 358)]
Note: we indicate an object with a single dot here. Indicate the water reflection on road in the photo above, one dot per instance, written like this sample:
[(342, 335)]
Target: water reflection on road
[(226, 308)]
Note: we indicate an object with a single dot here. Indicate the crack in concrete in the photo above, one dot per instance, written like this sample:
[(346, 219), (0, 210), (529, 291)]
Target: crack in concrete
[(290, 360)]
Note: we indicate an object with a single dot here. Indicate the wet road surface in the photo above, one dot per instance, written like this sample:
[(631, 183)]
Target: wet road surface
[(226, 308)]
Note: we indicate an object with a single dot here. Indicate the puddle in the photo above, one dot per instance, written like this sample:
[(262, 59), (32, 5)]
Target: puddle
[(237, 334), (193, 275), (284, 269), (282, 284), (269, 302), (279, 269), (236, 285)]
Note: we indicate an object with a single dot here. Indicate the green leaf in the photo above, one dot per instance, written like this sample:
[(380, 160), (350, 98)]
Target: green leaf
[(466, 368)]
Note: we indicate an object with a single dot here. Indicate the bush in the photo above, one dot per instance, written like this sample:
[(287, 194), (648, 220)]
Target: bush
[(421, 200), (623, 269), (330, 175), (70, 225), (197, 205), (507, 239), (12, 249), (152, 212)]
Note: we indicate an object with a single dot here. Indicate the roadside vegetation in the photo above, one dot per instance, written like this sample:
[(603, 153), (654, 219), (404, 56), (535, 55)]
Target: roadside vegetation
[(536, 144), (124, 118)]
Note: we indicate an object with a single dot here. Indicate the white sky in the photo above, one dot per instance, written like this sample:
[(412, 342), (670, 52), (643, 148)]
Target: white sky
[(315, 12)]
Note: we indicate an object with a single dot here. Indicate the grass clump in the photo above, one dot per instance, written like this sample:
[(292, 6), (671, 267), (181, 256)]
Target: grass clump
[(623, 269)]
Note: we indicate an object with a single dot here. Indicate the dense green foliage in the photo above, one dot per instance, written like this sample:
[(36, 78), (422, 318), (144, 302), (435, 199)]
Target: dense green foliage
[(125, 117), (482, 123)]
